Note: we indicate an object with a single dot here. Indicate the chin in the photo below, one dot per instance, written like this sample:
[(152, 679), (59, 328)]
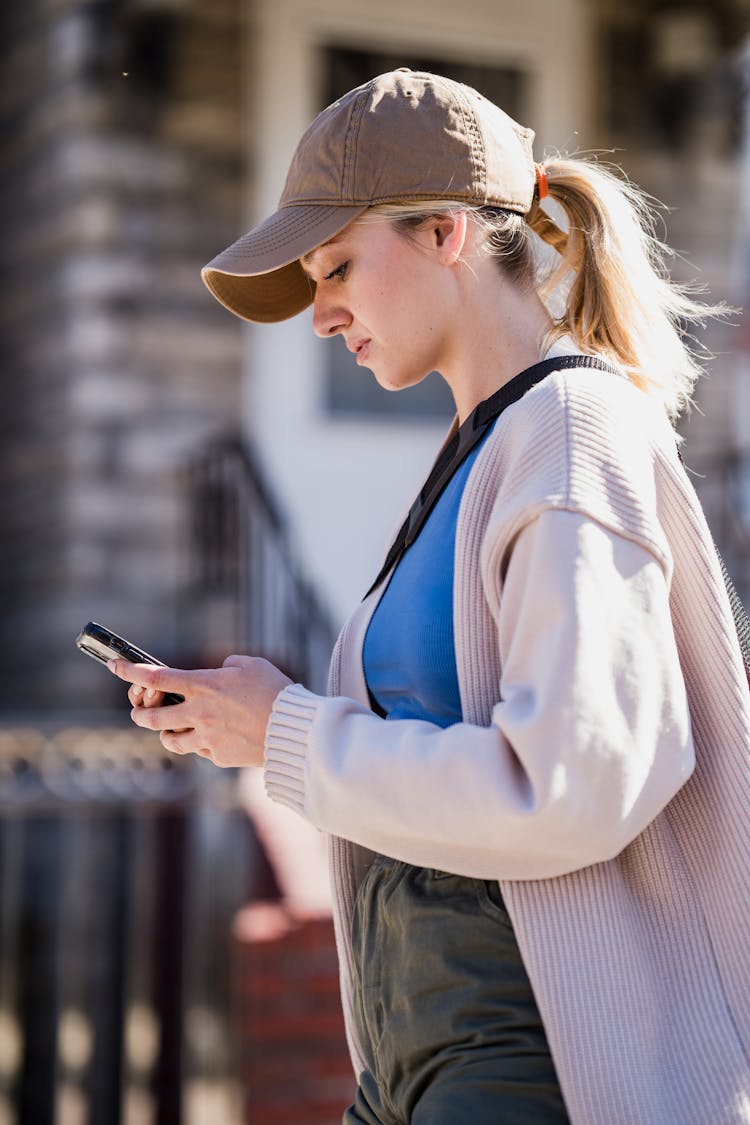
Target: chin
[(399, 382)]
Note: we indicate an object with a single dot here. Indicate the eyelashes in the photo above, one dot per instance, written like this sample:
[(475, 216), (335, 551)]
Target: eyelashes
[(340, 272)]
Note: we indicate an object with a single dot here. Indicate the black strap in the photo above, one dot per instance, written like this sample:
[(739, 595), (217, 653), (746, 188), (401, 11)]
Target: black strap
[(466, 438)]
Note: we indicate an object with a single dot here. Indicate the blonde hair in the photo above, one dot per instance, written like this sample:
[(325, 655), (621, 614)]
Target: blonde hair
[(620, 302)]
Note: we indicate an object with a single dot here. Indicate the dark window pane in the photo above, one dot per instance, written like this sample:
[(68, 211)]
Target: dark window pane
[(344, 68)]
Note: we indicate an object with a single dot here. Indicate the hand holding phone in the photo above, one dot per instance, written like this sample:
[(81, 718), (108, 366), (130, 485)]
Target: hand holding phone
[(103, 645), (236, 700)]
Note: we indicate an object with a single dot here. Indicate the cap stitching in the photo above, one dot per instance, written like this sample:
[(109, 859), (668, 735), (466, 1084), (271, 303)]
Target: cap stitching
[(275, 237), (350, 149), (478, 152), (390, 197)]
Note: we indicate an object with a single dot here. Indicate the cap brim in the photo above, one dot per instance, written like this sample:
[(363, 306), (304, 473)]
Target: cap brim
[(259, 277)]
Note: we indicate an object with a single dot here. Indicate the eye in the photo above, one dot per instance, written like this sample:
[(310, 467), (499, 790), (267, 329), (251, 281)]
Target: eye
[(340, 272)]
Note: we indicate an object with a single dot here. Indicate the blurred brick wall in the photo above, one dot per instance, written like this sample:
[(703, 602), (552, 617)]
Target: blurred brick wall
[(294, 1063)]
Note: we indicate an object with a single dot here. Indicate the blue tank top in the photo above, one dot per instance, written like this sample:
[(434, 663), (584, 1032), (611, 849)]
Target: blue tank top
[(408, 656)]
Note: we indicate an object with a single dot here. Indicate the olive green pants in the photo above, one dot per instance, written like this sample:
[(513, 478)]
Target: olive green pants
[(445, 1012)]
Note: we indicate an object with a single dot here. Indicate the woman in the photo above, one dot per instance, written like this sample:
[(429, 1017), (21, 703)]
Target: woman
[(533, 762)]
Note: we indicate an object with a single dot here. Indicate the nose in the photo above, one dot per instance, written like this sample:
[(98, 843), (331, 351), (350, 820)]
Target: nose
[(329, 317)]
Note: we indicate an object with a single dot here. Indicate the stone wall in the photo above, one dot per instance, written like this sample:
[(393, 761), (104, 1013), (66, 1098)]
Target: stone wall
[(123, 172)]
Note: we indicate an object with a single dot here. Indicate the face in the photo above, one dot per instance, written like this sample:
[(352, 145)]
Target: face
[(386, 294)]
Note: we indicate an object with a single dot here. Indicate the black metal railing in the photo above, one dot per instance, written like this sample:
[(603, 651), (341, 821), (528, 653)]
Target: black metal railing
[(245, 583), (121, 869)]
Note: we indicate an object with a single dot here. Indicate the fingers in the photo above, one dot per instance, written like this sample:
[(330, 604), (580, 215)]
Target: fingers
[(157, 718), (184, 742), (148, 685), (152, 681), (144, 697), (151, 698), (154, 676)]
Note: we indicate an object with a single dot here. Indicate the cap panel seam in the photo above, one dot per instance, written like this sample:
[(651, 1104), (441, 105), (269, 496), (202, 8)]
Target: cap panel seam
[(350, 150), (477, 146)]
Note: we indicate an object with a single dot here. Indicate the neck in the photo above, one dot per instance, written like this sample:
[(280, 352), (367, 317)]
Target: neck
[(500, 331)]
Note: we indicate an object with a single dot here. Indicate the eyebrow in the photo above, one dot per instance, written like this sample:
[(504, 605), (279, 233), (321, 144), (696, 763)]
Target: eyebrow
[(305, 259)]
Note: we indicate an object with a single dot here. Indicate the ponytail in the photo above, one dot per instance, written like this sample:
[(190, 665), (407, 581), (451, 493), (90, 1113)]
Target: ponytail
[(620, 303)]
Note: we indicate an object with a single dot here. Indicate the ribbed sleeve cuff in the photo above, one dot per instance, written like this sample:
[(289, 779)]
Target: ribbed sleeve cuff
[(287, 737)]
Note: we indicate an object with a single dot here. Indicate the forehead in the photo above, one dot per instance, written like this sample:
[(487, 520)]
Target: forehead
[(308, 259), (364, 233)]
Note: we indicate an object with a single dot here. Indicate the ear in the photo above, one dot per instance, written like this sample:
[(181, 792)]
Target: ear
[(449, 233)]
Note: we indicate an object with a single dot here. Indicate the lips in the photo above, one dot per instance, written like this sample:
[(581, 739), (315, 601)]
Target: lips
[(359, 348)]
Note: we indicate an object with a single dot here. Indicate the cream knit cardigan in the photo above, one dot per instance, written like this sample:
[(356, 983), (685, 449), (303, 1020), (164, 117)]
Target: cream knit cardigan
[(617, 825)]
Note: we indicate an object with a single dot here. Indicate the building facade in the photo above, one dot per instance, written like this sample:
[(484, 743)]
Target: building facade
[(141, 422)]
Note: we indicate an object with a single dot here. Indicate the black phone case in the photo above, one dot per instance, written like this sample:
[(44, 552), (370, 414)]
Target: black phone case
[(102, 644)]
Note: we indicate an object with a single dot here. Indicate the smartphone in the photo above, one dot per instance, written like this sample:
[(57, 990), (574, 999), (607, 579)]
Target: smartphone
[(103, 645)]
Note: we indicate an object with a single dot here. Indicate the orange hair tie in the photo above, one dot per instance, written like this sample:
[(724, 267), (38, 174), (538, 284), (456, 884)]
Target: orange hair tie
[(542, 183)]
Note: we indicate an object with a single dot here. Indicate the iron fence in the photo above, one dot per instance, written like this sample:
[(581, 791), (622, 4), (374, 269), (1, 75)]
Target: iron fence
[(121, 869)]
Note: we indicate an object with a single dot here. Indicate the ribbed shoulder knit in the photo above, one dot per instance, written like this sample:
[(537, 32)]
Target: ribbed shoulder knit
[(582, 440)]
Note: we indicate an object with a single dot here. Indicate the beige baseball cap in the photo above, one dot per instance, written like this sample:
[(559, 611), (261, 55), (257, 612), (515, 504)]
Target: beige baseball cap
[(402, 136)]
